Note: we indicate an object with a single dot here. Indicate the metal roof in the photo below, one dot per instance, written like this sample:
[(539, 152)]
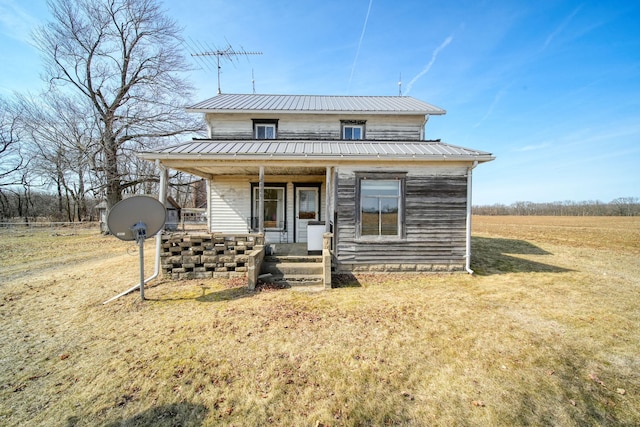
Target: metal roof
[(319, 150), (316, 104)]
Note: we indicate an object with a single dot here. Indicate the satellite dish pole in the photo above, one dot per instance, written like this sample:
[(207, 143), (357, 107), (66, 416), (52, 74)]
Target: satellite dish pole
[(139, 231), (136, 218), (229, 54)]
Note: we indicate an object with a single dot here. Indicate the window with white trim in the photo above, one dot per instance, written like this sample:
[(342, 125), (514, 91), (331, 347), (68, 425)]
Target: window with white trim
[(352, 129), (265, 131), (353, 132)]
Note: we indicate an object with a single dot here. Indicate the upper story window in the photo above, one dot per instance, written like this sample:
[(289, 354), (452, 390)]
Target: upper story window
[(353, 129), (352, 132), (265, 129)]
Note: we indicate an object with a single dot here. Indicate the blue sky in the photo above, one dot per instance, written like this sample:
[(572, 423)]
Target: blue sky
[(552, 88)]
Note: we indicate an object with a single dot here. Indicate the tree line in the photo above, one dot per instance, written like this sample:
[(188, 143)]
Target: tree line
[(115, 84), (622, 206)]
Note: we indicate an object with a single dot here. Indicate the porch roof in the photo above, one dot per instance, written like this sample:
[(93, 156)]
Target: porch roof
[(317, 104), (207, 157), (289, 149)]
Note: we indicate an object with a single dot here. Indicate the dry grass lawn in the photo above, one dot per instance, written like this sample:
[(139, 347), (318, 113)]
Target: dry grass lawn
[(546, 333)]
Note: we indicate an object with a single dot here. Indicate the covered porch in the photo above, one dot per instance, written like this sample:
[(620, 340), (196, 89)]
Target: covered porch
[(271, 205), (278, 201)]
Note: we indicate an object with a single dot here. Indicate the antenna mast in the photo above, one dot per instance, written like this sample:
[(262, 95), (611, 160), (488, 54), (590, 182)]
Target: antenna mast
[(253, 82), (400, 85), (229, 53)]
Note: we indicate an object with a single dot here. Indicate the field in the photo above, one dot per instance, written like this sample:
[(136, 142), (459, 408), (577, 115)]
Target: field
[(547, 332)]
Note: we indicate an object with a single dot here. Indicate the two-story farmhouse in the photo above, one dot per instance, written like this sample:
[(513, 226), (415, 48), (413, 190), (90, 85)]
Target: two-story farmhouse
[(276, 165)]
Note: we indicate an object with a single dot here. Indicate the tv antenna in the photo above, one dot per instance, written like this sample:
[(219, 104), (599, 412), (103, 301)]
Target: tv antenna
[(136, 218), (229, 53), (400, 85)]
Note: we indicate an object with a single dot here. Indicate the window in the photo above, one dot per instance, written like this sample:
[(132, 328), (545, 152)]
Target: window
[(273, 206), (353, 129), (352, 132), (265, 132), (265, 128), (381, 208)]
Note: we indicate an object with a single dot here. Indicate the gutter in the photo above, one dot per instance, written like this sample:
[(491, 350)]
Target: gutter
[(468, 249)]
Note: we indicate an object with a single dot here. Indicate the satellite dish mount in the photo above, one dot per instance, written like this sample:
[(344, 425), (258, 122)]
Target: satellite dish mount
[(137, 218)]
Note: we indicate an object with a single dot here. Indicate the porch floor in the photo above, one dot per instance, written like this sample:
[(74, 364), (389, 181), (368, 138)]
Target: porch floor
[(288, 249)]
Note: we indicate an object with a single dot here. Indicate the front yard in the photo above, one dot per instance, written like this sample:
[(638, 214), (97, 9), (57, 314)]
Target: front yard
[(546, 333)]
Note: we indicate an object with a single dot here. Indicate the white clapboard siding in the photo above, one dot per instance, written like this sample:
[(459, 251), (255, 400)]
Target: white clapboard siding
[(290, 213), (230, 206)]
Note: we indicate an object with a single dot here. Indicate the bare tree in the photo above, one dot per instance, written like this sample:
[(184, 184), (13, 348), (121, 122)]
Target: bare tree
[(12, 161), (124, 56), (626, 206), (60, 139), (11, 158)]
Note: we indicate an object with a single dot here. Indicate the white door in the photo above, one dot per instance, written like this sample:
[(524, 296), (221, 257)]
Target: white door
[(307, 209)]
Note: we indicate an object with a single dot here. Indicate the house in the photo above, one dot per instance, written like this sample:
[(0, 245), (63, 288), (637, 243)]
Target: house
[(102, 215), (388, 199), (173, 210)]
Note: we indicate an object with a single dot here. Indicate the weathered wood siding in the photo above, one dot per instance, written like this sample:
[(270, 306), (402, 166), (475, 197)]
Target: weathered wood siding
[(435, 221), (316, 126)]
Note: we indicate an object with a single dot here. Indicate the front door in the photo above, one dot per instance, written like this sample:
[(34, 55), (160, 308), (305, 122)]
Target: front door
[(307, 209)]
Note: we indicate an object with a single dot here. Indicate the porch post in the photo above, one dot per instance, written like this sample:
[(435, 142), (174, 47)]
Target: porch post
[(261, 202), (208, 182), (328, 217)]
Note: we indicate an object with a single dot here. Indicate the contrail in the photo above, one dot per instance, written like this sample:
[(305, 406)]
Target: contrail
[(561, 28), (496, 99), (355, 60), (428, 67)]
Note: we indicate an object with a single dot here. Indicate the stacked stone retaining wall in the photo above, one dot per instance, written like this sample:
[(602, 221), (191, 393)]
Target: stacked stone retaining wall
[(203, 256)]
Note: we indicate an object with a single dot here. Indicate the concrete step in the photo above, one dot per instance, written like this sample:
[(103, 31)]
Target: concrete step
[(292, 258), (295, 281), (290, 269)]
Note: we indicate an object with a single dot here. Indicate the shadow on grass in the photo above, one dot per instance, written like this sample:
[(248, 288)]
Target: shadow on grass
[(176, 414), (228, 294), (345, 280), (493, 256), (225, 294)]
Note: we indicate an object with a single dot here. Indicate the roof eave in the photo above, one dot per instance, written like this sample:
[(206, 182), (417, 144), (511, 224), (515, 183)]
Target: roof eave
[(320, 158), (327, 112)]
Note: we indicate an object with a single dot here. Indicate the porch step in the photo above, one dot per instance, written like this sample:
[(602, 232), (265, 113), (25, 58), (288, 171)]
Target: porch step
[(296, 281), (292, 269), (292, 259)]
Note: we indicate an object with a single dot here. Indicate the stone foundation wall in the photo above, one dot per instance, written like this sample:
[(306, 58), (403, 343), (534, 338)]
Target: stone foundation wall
[(397, 267), (203, 256)]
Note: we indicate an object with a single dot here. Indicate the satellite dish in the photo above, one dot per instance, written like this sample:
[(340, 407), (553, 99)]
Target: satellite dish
[(137, 218), (126, 218)]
